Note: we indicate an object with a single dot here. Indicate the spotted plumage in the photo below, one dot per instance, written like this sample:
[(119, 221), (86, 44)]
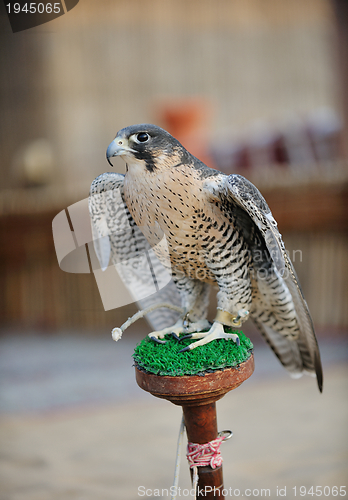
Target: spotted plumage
[(205, 228)]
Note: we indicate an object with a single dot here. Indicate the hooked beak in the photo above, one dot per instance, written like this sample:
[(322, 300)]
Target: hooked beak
[(118, 147)]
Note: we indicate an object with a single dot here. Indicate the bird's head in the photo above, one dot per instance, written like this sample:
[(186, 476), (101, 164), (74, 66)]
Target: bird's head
[(148, 146)]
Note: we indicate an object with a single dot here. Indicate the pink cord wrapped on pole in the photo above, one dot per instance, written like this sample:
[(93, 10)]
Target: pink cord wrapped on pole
[(200, 455)]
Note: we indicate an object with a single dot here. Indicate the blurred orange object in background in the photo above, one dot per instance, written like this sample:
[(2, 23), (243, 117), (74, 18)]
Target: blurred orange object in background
[(189, 120)]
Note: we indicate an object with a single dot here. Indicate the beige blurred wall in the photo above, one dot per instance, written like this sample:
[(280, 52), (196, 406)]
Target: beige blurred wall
[(109, 64)]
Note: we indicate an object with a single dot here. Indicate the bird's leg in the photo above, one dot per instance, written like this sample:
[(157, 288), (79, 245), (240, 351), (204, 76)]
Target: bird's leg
[(176, 329), (181, 326), (195, 299), (217, 330)]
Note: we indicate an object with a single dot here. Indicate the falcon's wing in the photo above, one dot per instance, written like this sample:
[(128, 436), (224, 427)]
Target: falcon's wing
[(299, 354), (118, 241)]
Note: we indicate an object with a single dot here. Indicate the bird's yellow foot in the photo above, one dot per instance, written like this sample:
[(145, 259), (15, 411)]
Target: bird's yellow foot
[(181, 326), (215, 332)]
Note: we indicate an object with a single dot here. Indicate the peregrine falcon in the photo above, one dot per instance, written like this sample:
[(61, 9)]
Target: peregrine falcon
[(218, 230)]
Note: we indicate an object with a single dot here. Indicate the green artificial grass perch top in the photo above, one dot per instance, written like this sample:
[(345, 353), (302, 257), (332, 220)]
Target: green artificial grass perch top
[(165, 359)]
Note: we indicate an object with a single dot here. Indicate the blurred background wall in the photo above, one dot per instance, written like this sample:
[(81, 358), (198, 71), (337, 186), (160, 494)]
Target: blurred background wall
[(249, 86)]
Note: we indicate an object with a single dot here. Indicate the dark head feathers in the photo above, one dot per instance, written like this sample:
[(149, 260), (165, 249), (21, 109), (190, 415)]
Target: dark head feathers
[(160, 143)]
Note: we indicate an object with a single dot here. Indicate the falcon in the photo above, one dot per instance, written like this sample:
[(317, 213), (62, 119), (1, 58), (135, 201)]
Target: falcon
[(205, 228)]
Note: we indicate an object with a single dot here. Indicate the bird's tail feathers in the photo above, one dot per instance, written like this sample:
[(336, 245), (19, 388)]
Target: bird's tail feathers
[(292, 353), (307, 340), (287, 351)]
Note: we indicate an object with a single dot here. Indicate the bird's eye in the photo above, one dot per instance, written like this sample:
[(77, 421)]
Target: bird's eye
[(143, 137)]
